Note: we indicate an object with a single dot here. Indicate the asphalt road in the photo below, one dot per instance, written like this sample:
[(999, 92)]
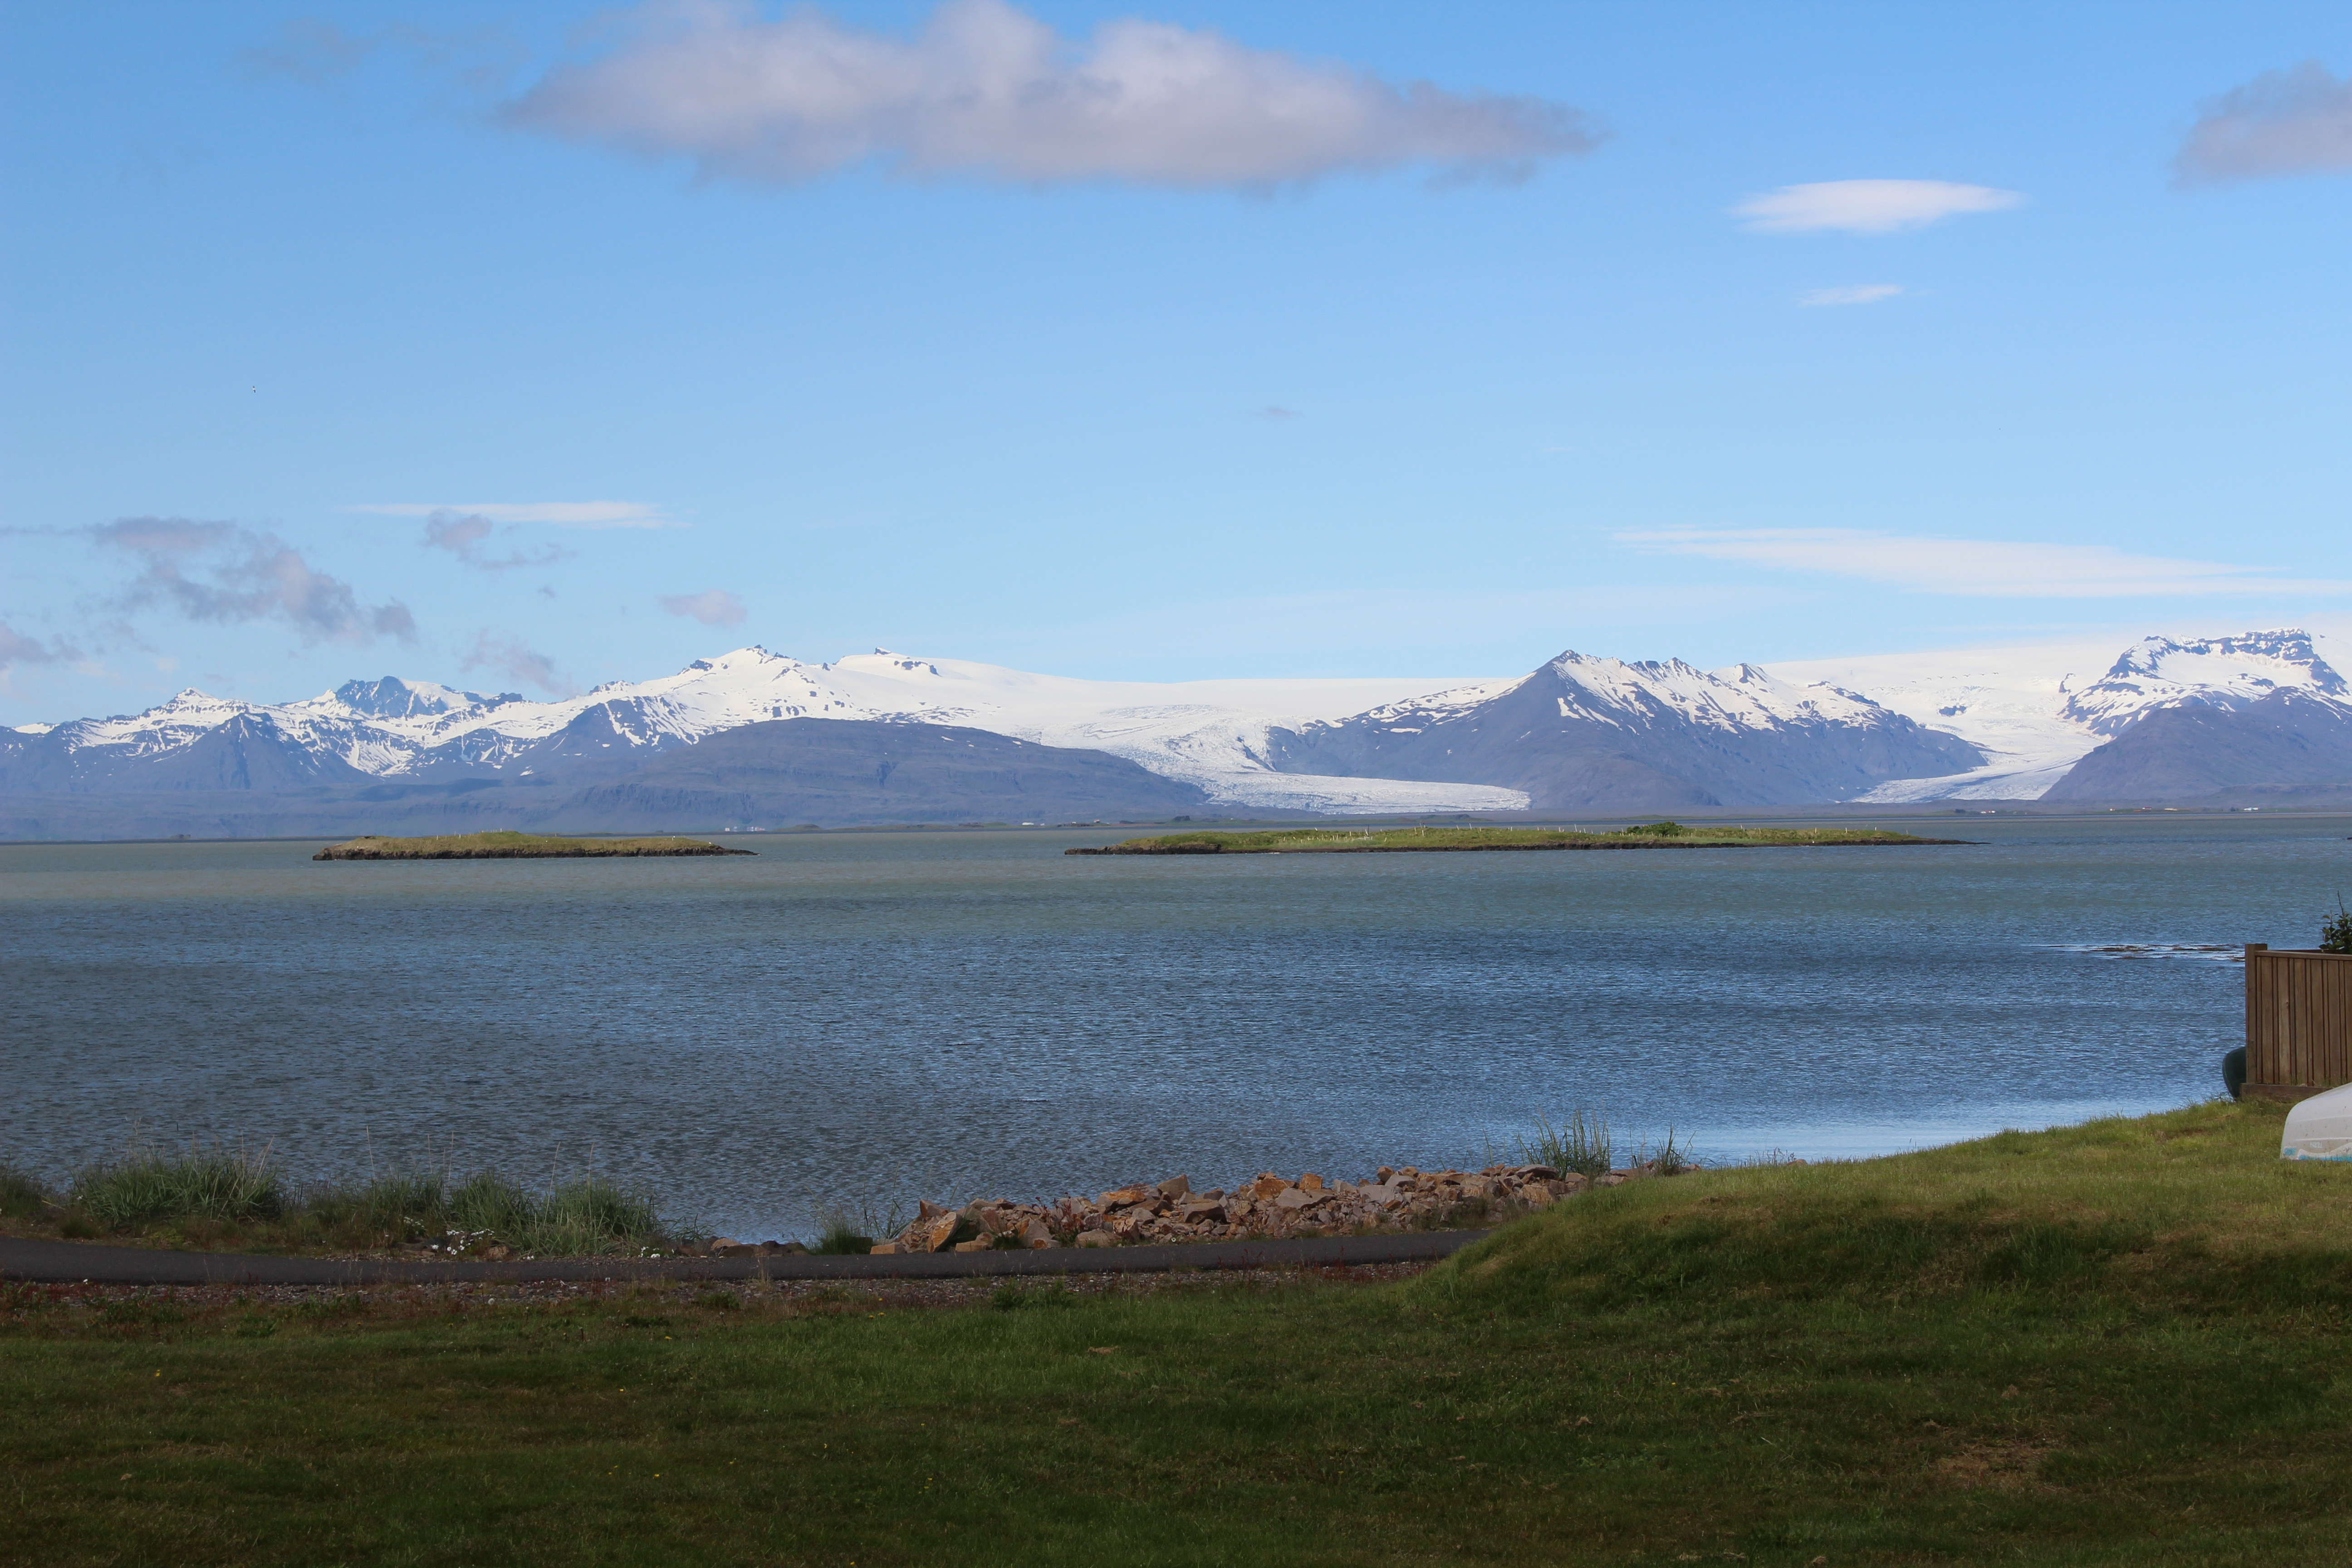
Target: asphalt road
[(71, 1262)]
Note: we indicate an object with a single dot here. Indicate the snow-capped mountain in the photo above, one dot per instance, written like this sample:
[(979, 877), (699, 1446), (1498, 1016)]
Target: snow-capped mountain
[(2036, 711), (1586, 734), (1211, 733), (2210, 672), (2269, 710)]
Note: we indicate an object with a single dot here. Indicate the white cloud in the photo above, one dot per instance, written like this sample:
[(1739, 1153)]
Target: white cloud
[(1867, 206), (563, 513), (717, 607), (220, 572), (2295, 121), (1977, 568), (1851, 294), (985, 89)]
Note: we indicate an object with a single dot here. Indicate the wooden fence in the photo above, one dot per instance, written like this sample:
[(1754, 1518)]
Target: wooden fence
[(2298, 1021)]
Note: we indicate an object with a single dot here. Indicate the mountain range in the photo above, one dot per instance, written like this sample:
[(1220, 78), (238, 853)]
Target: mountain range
[(754, 739)]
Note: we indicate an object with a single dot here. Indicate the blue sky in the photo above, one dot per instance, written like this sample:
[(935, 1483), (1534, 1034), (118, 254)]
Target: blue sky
[(529, 347)]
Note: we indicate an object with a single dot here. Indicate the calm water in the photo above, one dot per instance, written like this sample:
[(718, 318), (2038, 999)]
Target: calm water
[(882, 1016)]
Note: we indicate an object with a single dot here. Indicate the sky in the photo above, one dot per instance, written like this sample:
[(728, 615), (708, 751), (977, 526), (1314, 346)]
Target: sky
[(527, 347)]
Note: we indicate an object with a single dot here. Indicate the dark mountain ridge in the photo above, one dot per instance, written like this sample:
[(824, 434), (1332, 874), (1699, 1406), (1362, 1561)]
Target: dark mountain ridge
[(779, 774), (1585, 733)]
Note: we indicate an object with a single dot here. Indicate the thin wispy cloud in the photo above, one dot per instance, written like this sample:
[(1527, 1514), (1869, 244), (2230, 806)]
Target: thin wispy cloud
[(476, 61), (508, 655), (309, 51), (559, 513), (1278, 414), (463, 534), (16, 649), (223, 573), (985, 90), (1851, 294), (716, 607), (1867, 206), (1973, 567), (2295, 121)]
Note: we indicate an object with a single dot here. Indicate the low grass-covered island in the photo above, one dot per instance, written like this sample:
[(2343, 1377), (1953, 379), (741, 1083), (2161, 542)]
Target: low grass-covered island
[(1393, 840), (510, 845)]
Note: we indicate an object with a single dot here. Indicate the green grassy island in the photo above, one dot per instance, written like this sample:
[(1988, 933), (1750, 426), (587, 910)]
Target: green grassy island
[(1389, 840), (510, 845)]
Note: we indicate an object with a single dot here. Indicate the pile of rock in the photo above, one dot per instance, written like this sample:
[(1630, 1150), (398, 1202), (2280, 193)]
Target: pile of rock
[(1394, 1198)]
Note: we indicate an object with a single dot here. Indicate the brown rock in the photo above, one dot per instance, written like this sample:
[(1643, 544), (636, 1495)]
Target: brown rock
[(1569, 1184), (1121, 1197), (1294, 1198), (932, 1235), (977, 1243), (1097, 1238), (1266, 1185), (1175, 1187), (1310, 1183), (884, 1247), (1036, 1233)]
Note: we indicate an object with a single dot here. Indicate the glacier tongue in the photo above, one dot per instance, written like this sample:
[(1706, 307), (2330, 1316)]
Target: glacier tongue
[(2037, 709)]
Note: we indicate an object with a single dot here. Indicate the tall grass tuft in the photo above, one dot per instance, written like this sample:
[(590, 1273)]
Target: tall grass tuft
[(1581, 1144), (149, 1186), (846, 1229), (22, 1195), (150, 1189), (589, 1215)]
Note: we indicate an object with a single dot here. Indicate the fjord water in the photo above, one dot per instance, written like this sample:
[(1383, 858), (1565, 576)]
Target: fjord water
[(882, 1015)]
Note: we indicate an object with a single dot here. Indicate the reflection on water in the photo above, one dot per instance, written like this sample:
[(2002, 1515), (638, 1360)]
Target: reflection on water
[(879, 1016)]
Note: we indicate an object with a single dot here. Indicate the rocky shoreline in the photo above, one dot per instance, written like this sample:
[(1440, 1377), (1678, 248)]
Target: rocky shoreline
[(1269, 1207)]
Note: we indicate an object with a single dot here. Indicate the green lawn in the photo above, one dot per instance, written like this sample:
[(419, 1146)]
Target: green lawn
[(1644, 835), (2118, 1344)]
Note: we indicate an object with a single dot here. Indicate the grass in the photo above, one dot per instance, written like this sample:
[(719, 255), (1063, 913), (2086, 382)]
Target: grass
[(2121, 1344), (219, 1200), (1645, 835), (510, 845), (1578, 1143)]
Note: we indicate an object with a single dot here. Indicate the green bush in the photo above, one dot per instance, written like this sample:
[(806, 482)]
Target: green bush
[(2336, 936)]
